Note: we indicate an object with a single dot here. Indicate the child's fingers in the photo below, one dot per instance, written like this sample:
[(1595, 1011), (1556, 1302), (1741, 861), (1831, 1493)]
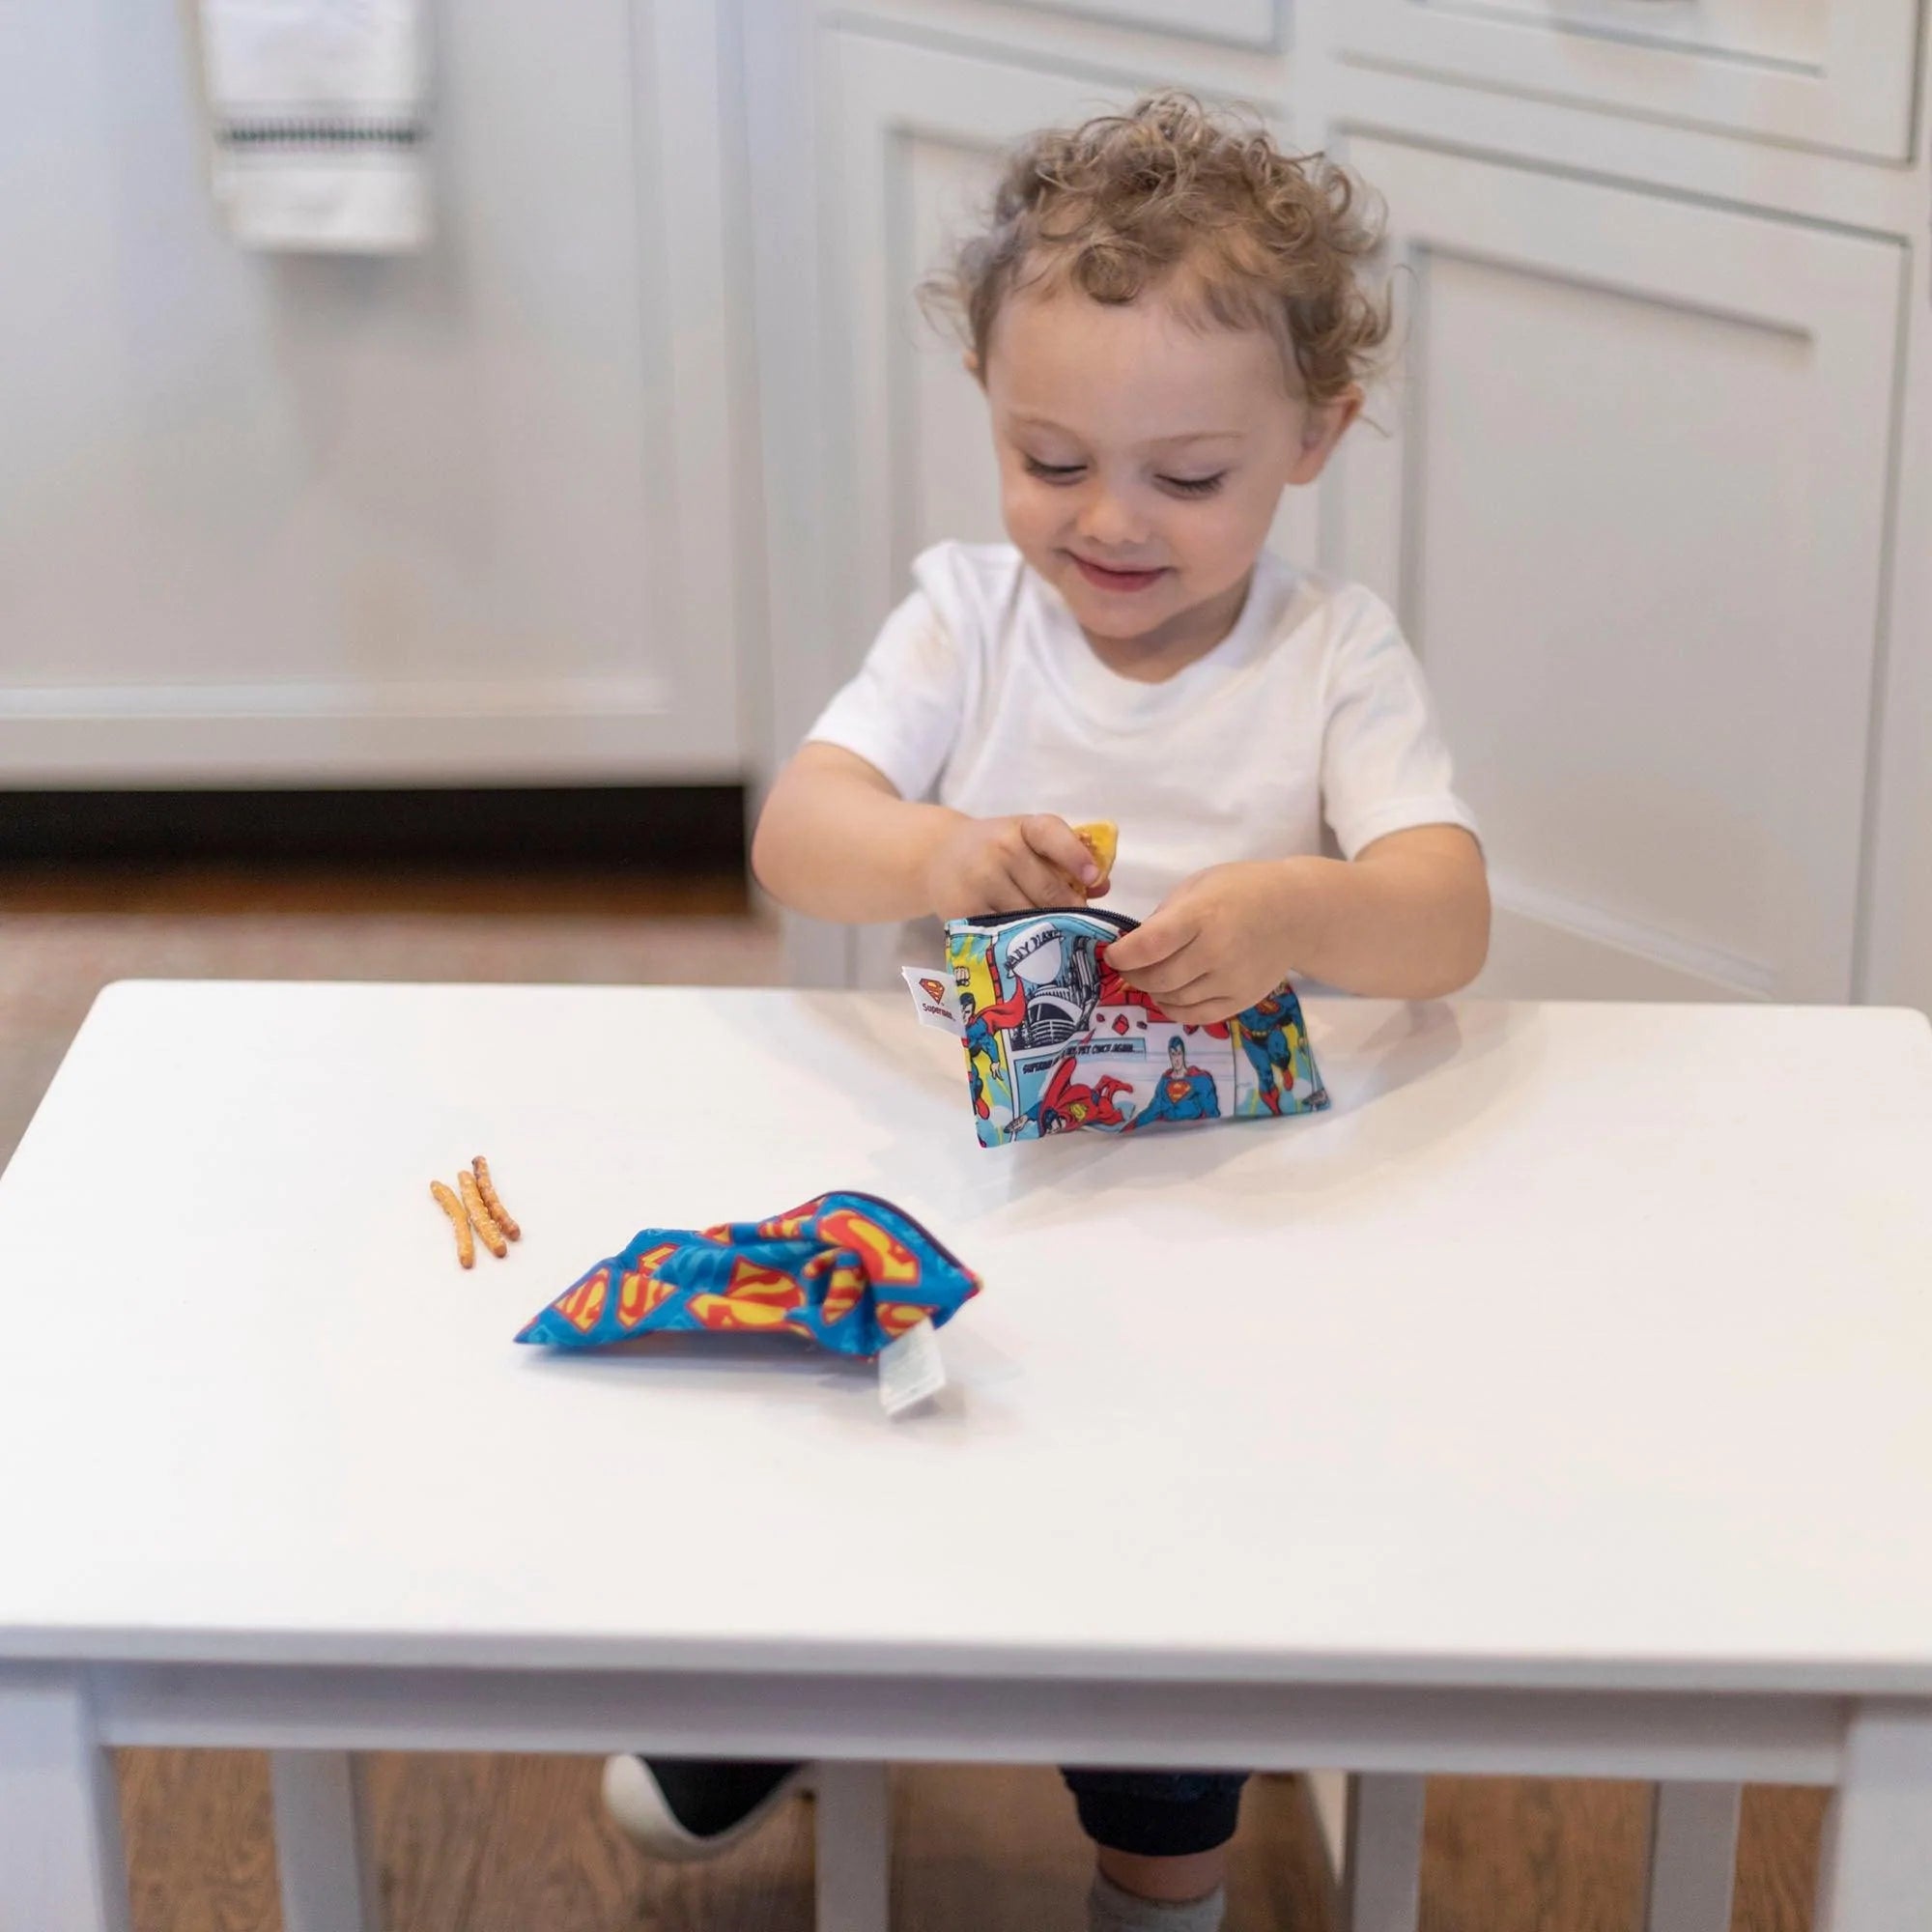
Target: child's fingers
[(1061, 848), (1038, 884), (1174, 978), (1148, 946), (1199, 1002)]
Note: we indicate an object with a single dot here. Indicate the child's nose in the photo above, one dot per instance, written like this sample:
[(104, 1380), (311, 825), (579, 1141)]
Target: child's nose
[(1111, 522)]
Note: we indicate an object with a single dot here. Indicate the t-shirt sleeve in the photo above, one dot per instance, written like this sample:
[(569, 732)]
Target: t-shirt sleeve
[(902, 713), (1384, 767)]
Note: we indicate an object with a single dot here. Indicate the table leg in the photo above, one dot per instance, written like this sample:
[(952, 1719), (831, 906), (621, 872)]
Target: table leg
[(855, 1847), (1876, 1872), (1382, 1888), (61, 1862), (323, 1844), (1694, 1858)]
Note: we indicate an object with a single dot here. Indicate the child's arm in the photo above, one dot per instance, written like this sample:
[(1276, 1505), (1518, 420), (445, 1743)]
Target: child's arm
[(1408, 919), (836, 842)]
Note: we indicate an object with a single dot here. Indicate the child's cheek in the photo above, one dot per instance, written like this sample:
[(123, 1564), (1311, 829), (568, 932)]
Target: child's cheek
[(1032, 517)]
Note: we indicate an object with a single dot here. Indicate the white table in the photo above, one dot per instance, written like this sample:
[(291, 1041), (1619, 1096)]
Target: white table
[(1561, 1402)]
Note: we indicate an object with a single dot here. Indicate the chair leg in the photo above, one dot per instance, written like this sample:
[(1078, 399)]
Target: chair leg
[(1327, 1796), (855, 1847), (1382, 1876), (322, 1844), (1694, 1858)]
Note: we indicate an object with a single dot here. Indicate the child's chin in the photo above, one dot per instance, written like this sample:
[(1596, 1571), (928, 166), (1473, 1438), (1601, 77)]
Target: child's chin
[(1120, 616)]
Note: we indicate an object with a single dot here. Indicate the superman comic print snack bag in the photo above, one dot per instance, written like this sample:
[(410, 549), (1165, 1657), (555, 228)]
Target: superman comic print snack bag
[(848, 1271), (1055, 1039)]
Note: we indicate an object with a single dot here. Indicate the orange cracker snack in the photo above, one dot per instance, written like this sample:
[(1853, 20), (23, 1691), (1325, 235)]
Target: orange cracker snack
[(498, 1213), (1101, 837), (493, 1235), (466, 1244)]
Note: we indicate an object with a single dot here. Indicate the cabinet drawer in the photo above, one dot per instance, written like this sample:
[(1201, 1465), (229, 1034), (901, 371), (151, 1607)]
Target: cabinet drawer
[(1825, 73), (1244, 23)]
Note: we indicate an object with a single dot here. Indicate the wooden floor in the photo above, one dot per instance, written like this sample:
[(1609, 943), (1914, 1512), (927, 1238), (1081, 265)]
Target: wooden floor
[(519, 1844)]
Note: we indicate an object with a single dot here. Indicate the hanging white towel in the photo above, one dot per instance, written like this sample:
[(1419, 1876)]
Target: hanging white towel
[(316, 109)]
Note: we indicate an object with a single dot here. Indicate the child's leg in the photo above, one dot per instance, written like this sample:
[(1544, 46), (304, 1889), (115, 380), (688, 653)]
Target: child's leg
[(1171, 1881), (1161, 1839)]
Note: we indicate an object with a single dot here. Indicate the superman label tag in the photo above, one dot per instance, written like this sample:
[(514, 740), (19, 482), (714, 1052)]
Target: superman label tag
[(933, 995)]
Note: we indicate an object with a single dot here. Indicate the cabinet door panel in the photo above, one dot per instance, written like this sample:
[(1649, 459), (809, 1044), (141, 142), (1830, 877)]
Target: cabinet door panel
[(1630, 505), (1828, 74)]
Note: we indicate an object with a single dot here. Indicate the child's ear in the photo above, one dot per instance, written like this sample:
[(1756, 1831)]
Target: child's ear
[(970, 362), (1321, 427)]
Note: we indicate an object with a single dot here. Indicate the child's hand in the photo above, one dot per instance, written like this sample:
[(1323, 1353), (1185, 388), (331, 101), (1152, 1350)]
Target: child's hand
[(1221, 940), (1009, 865)]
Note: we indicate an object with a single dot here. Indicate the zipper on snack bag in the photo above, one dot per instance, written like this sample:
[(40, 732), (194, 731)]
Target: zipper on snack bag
[(991, 922)]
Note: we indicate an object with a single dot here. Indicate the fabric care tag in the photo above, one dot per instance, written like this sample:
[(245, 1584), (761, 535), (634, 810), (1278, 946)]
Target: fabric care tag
[(935, 996), (910, 1370)]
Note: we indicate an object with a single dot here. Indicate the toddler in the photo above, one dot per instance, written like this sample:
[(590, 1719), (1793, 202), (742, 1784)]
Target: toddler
[(1166, 318)]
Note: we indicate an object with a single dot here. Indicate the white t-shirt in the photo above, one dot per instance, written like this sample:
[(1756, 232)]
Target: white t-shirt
[(981, 693)]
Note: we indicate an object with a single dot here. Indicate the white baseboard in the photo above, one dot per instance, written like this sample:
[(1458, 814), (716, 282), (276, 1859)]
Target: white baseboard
[(604, 732)]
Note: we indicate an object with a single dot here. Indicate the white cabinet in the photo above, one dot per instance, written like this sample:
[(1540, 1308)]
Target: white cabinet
[(1828, 74), (1630, 502), (466, 515)]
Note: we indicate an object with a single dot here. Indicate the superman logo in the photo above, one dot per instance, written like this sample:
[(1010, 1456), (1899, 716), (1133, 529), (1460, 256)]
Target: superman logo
[(583, 1305), (844, 1292), (886, 1257), (790, 1226), (642, 1289), (732, 1313), (897, 1316), (935, 990), (768, 1286)]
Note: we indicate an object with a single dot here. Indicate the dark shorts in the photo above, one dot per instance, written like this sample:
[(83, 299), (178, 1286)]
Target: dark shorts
[(1157, 1814)]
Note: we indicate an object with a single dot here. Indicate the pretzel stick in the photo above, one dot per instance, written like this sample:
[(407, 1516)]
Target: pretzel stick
[(497, 1211), (466, 1244), (493, 1235)]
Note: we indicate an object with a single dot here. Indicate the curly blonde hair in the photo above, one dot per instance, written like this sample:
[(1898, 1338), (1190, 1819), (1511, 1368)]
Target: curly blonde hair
[(1205, 206)]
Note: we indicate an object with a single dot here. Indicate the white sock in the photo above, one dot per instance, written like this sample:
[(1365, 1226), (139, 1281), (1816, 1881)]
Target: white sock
[(1109, 1909)]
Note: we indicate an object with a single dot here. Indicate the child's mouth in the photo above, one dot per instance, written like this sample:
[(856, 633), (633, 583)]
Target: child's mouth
[(1103, 579)]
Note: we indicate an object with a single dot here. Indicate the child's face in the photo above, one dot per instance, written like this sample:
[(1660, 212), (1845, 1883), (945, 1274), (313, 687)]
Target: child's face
[(1142, 458)]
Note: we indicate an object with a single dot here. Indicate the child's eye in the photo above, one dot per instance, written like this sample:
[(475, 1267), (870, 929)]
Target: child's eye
[(1196, 486), (1055, 472)]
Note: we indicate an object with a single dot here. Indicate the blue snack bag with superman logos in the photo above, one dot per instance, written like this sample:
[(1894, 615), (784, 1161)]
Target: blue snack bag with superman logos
[(848, 1271), (1056, 1040)]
